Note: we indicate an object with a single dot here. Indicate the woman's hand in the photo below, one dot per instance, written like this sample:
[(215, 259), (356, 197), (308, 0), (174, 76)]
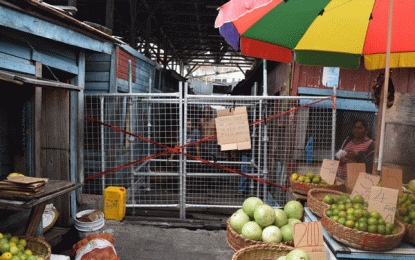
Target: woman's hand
[(351, 154)]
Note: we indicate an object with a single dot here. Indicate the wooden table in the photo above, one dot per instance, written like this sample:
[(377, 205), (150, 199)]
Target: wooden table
[(37, 202)]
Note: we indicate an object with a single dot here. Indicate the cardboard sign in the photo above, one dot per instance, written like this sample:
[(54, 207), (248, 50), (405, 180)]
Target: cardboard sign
[(384, 201), (308, 236), (26, 179), (233, 129), (392, 178), (364, 184), (353, 171), (328, 170)]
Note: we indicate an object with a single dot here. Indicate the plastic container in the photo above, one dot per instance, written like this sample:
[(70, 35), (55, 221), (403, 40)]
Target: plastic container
[(87, 228), (114, 203)]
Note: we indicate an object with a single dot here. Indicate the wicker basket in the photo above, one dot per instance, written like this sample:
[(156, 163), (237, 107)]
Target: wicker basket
[(363, 240), (262, 252), (315, 200), (38, 246), (409, 232), (303, 187), (237, 242)]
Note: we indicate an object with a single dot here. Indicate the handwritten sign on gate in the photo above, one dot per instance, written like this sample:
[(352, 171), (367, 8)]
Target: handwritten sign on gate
[(232, 128), (384, 201), (328, 170), (308, 236), (364, 184)]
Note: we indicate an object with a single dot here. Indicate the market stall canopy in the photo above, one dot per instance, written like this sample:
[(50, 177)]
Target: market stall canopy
[(324, 32)]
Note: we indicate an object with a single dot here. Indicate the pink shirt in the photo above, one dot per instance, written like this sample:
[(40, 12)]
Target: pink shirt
[(342, 170)]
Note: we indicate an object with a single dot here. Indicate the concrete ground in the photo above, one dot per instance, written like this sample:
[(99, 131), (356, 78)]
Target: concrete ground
[(135, 241)]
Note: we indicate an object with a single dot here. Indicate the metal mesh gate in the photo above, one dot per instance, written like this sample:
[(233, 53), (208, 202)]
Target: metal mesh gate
[(127, 139)]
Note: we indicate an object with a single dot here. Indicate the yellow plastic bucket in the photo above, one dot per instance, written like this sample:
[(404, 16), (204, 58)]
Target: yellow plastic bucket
[(114, 203)]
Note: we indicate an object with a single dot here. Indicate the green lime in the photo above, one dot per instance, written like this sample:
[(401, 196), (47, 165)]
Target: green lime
[(349, 200), (381, 221), (372, 229), (342, 214), (403, 211), (412, 214), (334, 206), (406, 219), (342, 221), (351, 217), (389, 225), (323, 182), (329, 213), (307, 180), (381, 229), (356, 225), (365, 204), (363, 220), (301, 178), (358, 206), (4, 248), (3, 240), (336, 212), (366, 213), (350, 223), (362, 226), (349, 205), (310, 175), (372, 221), (336, 198), (341, 206), (388, 231), (328, 199), (358, 213), (350, 210), (334, 218), (315, 180), (358, 199), (344, 197)]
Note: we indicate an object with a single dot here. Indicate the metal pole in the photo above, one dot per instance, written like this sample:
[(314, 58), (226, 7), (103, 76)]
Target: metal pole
[(386, 85), (251, 182), (182, 161), (149, 125), (265, 140), (333, 125), (102, 143)]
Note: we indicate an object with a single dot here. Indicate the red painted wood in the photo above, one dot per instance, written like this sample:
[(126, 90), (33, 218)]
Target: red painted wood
[(122, 65)]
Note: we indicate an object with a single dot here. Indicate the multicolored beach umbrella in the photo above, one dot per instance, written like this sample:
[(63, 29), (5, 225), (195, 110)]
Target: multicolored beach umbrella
[(331, 33)]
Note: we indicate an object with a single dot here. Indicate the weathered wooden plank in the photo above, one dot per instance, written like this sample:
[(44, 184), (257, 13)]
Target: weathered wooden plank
[(91, 57), (55, 165), (14, 63), (97, 76), (14, 47), (55, 61), (55, 119), (329, 92), (97, 86), (40, 27), (97, 66)]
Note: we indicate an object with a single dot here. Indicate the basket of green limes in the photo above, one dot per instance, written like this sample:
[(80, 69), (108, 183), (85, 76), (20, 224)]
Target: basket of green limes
[(350, 223), (24, 247)]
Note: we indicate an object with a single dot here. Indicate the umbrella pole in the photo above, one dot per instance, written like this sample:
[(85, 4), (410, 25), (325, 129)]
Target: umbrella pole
[(384, 95)]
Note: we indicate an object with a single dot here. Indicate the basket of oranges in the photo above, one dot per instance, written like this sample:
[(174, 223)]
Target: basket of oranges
[(303, 183)]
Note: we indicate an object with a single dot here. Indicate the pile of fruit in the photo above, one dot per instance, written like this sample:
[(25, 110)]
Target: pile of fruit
[(352, 213), (309, 178), (13, 248), (296, 254), (406, 208), (260, 222)]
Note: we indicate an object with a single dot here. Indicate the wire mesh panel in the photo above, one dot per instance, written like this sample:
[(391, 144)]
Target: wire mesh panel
[(129, 141)]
